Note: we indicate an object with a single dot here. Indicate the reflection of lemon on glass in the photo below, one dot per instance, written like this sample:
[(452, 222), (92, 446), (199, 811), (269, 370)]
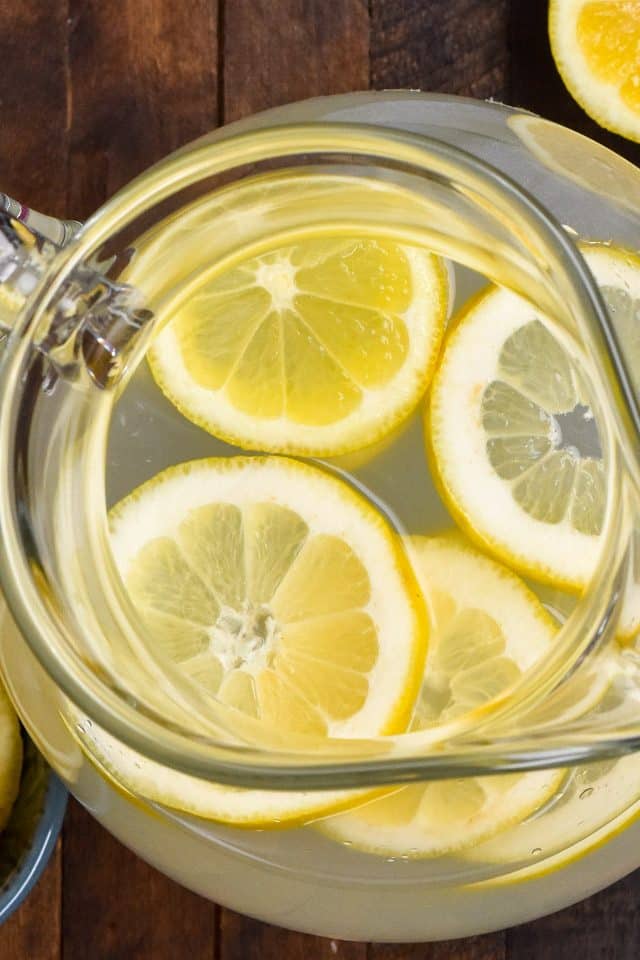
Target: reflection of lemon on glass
[(579, 159), (318, 347), (281, 592), (10, 757), (595, 45), (487, 629)]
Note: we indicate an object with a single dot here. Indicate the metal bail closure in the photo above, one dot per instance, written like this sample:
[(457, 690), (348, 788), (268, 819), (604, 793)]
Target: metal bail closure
[(94, 327)]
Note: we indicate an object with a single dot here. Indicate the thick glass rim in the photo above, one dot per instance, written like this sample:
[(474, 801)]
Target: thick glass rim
[(253, 767)]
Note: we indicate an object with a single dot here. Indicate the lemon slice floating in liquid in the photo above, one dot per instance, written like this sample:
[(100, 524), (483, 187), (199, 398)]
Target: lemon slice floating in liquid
[(280, 591), (515, 447), (487, 629), (316, 348)]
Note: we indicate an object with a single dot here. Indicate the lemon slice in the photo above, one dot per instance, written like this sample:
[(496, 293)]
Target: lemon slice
[(595, 45), (278, 589), (315, 348), (521, 469), (515, 447), (587, 810), (283, 594), (487, 628), (10, 757)]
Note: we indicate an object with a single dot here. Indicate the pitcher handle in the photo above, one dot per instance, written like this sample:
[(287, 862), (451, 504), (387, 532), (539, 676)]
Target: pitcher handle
[(96, 326), (57, 231)]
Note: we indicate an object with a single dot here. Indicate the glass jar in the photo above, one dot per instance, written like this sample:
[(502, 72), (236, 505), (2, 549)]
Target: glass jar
[(505, 196)]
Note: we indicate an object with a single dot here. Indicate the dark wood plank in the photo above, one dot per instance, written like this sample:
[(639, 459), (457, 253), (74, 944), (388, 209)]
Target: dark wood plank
[(535, 83), (277, 51), (246, 939), (115, 907), (34, 931), (605, 927), (447, 46), (489, 947), (33, 102), (143, 80)]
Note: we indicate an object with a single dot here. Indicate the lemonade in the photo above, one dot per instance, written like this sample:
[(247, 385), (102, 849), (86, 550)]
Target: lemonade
[(303, 593), (365, 474)]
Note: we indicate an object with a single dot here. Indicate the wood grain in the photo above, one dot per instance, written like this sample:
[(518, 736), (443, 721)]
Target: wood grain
[(34, 932), (33, 102), (245, 939), (275, 53), (447, 46), (605, 927), (489, 947), (142, 81), (115, 907)]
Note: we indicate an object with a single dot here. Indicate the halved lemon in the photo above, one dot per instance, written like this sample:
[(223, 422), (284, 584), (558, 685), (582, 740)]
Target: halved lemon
[(282, 593), (515, 446), (318, 347), (487, 629), (10, 757), (596, 47)]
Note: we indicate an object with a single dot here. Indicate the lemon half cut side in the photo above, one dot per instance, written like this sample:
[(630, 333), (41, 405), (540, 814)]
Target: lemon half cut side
[(596, 47)]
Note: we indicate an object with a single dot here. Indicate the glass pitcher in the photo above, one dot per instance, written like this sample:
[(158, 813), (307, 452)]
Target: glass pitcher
[(415, 834)]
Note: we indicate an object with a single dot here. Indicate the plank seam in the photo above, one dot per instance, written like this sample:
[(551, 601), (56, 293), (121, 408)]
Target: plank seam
[(220, 63)]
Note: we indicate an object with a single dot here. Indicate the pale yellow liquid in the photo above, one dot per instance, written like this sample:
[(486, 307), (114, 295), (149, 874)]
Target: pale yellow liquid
[(147, 435)]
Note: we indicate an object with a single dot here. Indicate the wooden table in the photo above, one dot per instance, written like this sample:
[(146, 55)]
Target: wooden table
[(91, 93)]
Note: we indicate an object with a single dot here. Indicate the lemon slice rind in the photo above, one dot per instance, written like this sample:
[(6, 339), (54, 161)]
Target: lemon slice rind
[(599, 98)]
